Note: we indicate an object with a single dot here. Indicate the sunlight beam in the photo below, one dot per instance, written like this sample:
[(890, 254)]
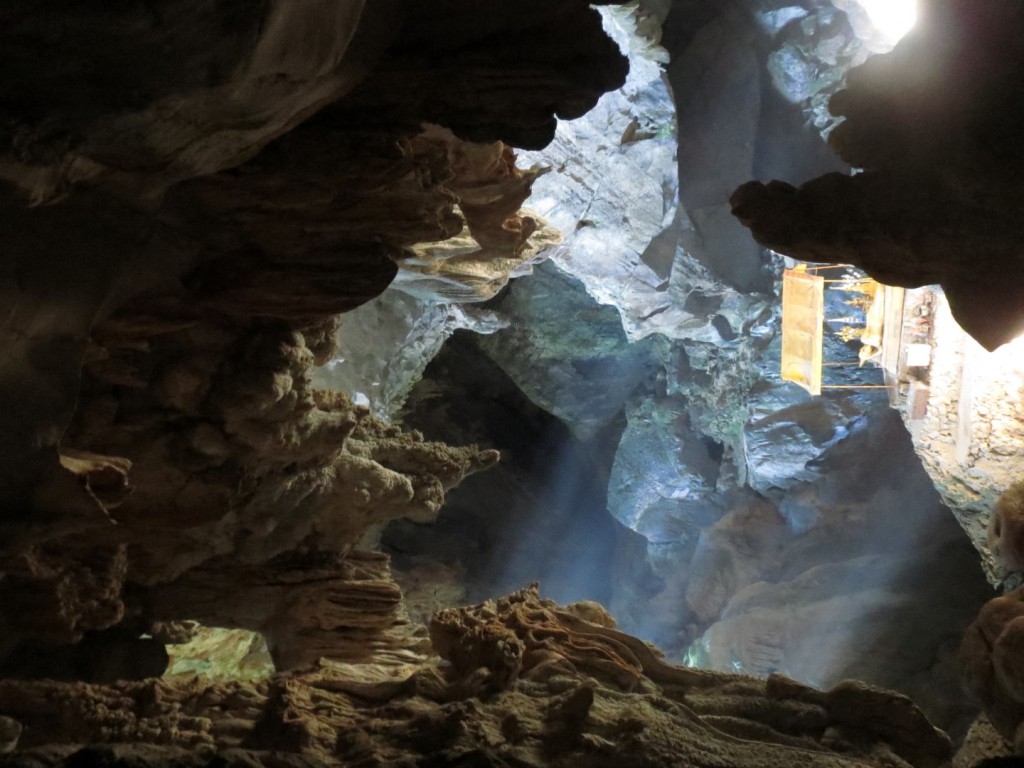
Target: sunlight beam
[(892, 18)]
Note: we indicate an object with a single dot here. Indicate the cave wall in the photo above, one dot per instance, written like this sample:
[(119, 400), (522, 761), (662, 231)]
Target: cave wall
[(934, 124), (178, 243), (778, 532), (527, 682)]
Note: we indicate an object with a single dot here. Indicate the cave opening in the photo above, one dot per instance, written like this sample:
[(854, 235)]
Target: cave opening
[(653, 461), (892, 19)]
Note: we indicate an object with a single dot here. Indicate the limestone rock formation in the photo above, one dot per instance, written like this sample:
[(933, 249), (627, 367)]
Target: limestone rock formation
[(1006, 528), (972, 431), (385, 345), (990, 658), (183, 220), (572, 357), (540, 514), (708, 421), (298, 234), (190, 195), (525, 682)]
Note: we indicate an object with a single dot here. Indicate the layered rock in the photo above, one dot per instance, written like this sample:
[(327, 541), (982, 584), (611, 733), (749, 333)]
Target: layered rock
[(527, 682), (236, 463), (171, 459), (183, 221), (310, 227)]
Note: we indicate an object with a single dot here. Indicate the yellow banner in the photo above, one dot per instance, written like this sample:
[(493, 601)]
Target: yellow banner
[(803, 317)]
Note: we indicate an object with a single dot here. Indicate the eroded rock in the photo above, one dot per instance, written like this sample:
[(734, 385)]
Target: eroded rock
[(204, 222), (529, 683)]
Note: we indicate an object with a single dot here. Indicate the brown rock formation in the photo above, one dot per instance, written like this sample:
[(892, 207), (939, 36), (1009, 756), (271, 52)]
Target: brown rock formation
[(187, 206), (991, 656), (309, 227), (935, 124), (560, 703), (1006, 528)]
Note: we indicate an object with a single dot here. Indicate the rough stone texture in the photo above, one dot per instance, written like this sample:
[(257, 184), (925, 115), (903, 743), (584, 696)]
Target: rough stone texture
[(540, 514), (527, 683), (713, 422), (802, 628), (971, 435), (983, 743), (1006, 528), (302, 231), (572, 357), (171, 95), (781, 448), (384, 346), (664, 479), (990, 658), (612, 188), (820, 581), (166, 456), (182, 220), (236, 461), (859, 533), (224, 654), (939, 201)]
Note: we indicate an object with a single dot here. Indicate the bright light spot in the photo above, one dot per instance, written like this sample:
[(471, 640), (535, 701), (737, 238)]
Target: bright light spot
[(892, 18), (1005, 361)]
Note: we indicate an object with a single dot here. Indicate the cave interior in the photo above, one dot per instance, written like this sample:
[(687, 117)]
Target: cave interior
[(399, 384)]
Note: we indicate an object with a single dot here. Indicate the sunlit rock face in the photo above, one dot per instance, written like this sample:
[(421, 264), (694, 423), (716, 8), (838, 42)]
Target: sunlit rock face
[(781, 447), (808, 64), (971, 434), (386, 344), (665, 472), (859, 557), (731, 478), (225, 654), (612, 190), (880, 24), (170, 455)]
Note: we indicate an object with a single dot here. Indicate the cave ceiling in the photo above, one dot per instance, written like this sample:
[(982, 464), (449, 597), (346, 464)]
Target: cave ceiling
[(321, 316)]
